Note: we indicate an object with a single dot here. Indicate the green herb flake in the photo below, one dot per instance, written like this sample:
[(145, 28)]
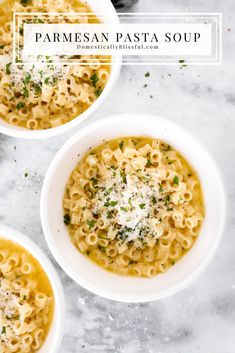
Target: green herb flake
[(121, 144), (90, 223), (108, 191), (160, 188), (26, 174), (94, 80), (20, 105), (8, 71), (147, 74), (107, 204), (181, 61), (55, 80), (154, 200), (98, 92), (113, 203), (25, 92), (142, 206), (2, 46), (123, 175), (37, 89), (176, 180), (67, 219), (148, 164), (27, 78), (124, 209), (46, 81), (3, 330)]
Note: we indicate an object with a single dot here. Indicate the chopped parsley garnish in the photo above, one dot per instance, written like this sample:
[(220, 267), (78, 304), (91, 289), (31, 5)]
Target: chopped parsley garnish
[(166, 200), (94, 80), (26, 174), (123, 175), (37, 89), (91, 223), (3, 330), (154, 200), (148, 164), (46, 81), (108, 191), (106, 204), (27, 78), (20, 105), (67, 219), (2, 46), (142, 206), (98, 92), (113, 203), (176, 180), (181, 61), (121, 144), (160, 188), (147, 74), (25, 92), (124, 209), (8, 71), (55, 80)]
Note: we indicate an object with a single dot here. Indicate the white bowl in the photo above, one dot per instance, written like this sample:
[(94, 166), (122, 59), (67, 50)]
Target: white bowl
[(56, 332), (88, 274), (98, 7)]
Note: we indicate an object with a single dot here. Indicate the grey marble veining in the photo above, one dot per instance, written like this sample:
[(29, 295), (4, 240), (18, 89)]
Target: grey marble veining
[(200, 319)]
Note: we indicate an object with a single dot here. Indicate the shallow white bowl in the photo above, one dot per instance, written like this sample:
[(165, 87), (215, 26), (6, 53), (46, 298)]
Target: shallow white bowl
[(56, 332), (87, 273), (98, 7)]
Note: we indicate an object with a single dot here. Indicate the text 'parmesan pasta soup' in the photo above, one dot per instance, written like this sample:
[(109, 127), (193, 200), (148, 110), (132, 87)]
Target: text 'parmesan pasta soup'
[(46, 94), (134, 206), (26, 300)]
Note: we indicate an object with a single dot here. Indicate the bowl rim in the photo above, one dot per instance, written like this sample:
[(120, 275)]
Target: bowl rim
[(81, 280), (22, 133), (28, 244)]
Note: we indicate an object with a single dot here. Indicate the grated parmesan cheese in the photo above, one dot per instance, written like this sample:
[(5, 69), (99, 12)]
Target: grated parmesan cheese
[(38, 72), (130, 201)]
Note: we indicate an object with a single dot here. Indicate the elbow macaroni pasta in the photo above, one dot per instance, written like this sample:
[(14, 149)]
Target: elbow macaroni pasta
[(45, 97), (134, 206), (26, 300)]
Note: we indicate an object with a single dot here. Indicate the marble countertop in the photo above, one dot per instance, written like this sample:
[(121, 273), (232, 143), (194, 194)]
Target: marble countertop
[(200, 319)]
